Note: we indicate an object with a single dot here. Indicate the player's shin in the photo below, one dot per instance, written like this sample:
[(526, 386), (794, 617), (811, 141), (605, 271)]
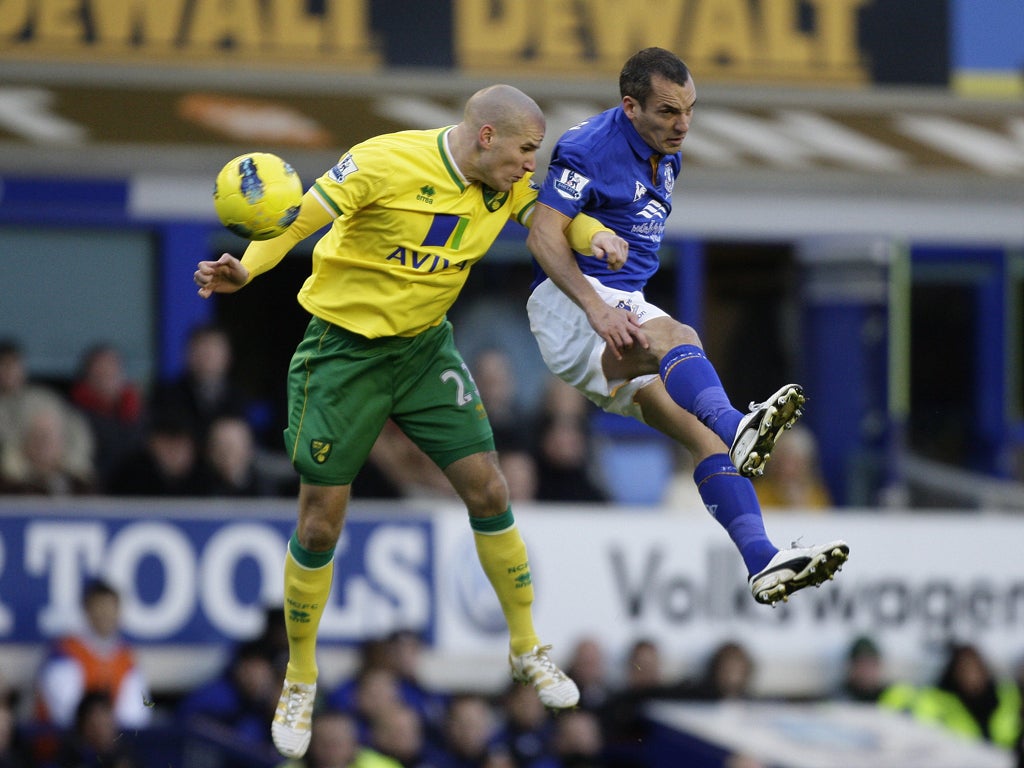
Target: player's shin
[(731, 500), (502, 555), (692, 382), (307, 586)]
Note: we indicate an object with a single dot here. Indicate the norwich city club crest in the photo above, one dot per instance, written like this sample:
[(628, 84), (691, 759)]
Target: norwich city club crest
[(320, 450), (493, 199)]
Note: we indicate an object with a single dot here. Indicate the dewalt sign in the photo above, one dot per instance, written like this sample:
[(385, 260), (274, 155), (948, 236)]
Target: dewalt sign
[(812, 42)]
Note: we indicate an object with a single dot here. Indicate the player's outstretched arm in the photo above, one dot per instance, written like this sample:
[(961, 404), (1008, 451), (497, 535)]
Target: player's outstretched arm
[(228, 274)]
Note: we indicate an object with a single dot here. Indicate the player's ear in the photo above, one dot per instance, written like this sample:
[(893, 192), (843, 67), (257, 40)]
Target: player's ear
[(630, 106), (486, 135)]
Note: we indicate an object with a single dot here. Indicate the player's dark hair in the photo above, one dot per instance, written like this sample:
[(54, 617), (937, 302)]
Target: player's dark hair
[(635, 77)]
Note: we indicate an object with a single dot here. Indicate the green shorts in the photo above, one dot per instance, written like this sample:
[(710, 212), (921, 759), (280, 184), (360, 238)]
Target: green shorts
[(342, 388)]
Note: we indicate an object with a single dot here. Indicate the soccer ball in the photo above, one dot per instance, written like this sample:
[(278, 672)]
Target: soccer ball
[(257, 195)]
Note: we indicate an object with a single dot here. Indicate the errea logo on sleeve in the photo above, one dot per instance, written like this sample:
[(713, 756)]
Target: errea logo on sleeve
[(344, 167), (570, 185)]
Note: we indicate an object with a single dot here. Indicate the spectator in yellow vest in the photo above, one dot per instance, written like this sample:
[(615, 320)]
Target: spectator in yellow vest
[(968, 699)]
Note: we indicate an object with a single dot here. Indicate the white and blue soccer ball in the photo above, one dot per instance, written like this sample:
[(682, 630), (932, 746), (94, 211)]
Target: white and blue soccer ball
[(257, 195)]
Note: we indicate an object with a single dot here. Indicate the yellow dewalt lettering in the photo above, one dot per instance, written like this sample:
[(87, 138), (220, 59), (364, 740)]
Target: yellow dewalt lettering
[(292, 27), (784, 42), (60, 22), (723, 31), (348, 32), (559, 42), (205, 30), (217, 22), (119, 22), (837, 32), (489, 35), (14, 15), (656, 22), (742, 39)]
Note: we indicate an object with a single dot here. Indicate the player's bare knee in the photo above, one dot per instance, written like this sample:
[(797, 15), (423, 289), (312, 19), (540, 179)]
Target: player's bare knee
[(489, 497), (666, 333), (317, 534)]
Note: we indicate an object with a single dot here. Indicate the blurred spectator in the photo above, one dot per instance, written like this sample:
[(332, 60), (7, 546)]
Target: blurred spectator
[(36, 464), (240, 703), (20, 401), (520, 470), (643, 666), (398, 732), (968, 699), (111, 403), (495, 377), (397, 468), (205, 389), (727, 675), (578, 742), (526, 727), (561, 399), (335, 744), (404, 653), (468, 731), (498, 758), (376, 691), (166, 464), (564, 448), (399, 656), (793, 479), (231, 461), (12, 751), (274, 637), (588, 668), (97, 659), (96, 738), (863, 677), (621, 717), (373, 653)]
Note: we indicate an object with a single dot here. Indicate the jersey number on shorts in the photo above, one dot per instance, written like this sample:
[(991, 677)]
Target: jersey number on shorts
[(462, 397)]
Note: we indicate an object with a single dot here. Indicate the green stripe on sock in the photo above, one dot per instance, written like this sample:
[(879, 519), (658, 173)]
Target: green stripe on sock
[(502, 522), (308, 559)]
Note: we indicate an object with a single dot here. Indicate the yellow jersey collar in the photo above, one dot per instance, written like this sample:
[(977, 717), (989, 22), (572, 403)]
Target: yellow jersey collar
[(449, 161)]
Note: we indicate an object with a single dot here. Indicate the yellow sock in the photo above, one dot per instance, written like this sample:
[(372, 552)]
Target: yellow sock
[(502, 554), (307, 585)]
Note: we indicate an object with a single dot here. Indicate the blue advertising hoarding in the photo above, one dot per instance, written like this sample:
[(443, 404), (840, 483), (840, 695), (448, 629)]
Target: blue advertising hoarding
[(203, 574)]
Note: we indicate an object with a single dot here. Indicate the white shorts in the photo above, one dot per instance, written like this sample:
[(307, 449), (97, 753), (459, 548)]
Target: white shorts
[(572, 349)]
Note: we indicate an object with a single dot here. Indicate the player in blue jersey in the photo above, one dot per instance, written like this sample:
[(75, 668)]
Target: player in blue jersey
[(597, 331)]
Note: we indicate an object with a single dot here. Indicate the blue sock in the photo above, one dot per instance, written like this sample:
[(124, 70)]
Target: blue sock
[(731, 500), (693, 383)]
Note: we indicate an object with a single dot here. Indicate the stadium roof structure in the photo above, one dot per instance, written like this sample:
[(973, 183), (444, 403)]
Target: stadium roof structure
[(765, 163)]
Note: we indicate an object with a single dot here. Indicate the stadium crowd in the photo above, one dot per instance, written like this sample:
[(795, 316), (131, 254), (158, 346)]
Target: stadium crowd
[(90, 705), (193, 436), (198, 434)]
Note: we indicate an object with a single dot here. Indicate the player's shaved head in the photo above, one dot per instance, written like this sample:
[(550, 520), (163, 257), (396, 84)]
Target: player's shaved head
[(497, 141), (502, 106)]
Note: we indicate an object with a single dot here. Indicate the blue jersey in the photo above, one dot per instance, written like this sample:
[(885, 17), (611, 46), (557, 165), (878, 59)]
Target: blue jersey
[(603, 167)]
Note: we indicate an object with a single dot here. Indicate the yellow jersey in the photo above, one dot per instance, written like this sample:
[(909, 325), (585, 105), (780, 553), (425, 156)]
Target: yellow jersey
[(409, 227)]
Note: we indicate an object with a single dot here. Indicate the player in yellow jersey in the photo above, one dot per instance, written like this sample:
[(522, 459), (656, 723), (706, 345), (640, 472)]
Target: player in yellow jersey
[(412, 212)]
